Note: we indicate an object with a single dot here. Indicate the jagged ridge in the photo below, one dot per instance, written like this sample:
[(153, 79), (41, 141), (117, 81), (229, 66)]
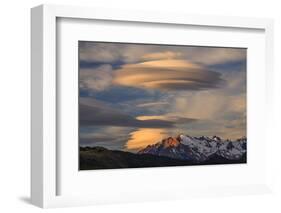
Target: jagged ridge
[(198, 149)]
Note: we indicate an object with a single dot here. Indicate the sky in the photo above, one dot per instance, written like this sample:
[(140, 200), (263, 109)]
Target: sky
[(133, 95)]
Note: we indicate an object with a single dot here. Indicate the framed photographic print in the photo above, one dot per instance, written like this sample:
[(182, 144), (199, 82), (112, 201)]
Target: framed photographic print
[(145, 105), (148, 105)]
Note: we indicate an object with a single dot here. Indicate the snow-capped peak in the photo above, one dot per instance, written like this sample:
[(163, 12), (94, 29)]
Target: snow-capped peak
[(197, 148), (216, 138)]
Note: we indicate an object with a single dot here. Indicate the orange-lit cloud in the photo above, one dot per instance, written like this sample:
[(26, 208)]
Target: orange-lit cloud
[(176, 119), (148, 117), (167, 63), (167, 75), (143, 137), (146, 136)]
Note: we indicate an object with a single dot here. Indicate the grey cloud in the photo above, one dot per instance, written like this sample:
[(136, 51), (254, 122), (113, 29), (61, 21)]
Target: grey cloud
[(112, 52), (214, 55), (96, 79), (105, 141), (95, 113), (112, 138)]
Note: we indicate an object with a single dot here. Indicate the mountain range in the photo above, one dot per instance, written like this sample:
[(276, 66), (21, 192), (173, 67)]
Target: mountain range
[(171, 151), (197, 149)]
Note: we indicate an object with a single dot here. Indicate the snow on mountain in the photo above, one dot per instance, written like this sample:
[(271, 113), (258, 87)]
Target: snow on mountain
[(233, 150), (198, 149)]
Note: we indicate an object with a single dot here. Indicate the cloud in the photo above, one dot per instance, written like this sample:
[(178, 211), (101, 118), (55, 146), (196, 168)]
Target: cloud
[(153, 104), (167, 85), (199, 55), (161, 55), (98, 52), (218, 112), (214, 55), (106, 52), (97, 79), (144, 137), (167, 117), (167, 75), (108, 136), (95, 113)]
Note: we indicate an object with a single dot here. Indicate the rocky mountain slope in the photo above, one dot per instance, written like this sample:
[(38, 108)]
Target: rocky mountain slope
[(101, 158)]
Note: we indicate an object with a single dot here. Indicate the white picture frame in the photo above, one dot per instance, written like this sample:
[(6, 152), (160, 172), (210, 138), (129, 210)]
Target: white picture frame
[(44, 155)]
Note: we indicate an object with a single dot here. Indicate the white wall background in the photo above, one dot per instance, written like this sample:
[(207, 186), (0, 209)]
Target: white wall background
[(15, 98)]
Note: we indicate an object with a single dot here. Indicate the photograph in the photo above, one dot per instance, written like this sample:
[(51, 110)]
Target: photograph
[(157, 105)]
